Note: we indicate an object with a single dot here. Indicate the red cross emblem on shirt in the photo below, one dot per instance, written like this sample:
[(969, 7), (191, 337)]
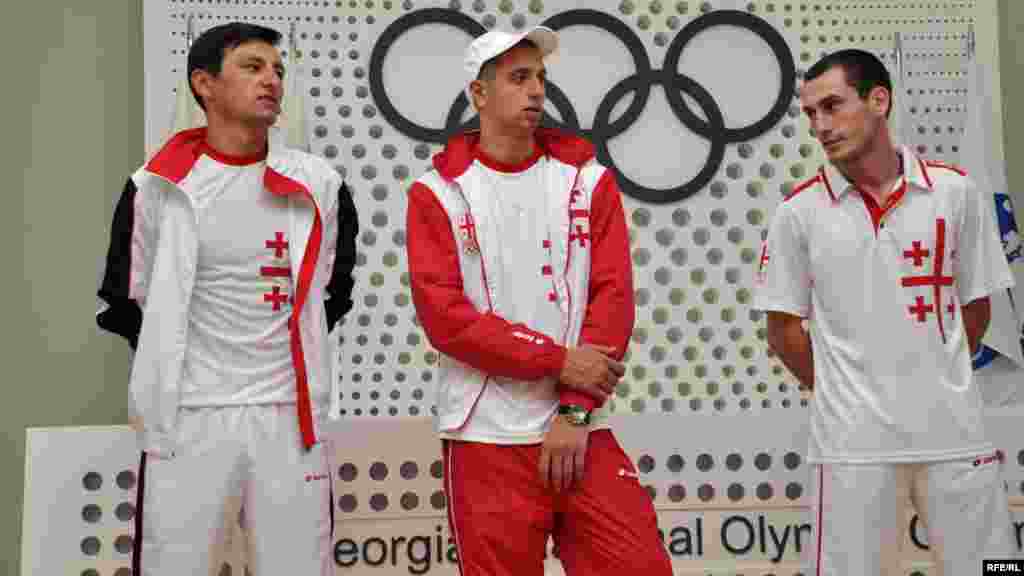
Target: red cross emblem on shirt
[(576, 192), (920, 310), (278, 244), (917, 254), (467, 230), (579, 232), (276, 297), (581, 235)]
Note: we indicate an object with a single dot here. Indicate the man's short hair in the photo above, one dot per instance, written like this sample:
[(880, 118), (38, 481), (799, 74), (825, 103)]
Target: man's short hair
[(207, 51), (864, 71), (489, 71)]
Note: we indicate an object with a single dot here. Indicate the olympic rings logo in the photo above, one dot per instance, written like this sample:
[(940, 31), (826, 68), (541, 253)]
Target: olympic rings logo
[(711, 127)]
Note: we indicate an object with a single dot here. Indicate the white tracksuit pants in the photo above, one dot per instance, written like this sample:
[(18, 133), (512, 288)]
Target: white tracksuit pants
[(236, 463), (859, 510)]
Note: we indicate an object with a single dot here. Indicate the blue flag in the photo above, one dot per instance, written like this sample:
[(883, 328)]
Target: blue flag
[(1014, 248)]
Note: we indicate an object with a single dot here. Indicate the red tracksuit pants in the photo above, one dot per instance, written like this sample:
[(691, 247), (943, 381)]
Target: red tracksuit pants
[(501, 514)]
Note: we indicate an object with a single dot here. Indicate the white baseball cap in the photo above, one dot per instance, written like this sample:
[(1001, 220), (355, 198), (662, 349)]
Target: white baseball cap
[(496, 42)]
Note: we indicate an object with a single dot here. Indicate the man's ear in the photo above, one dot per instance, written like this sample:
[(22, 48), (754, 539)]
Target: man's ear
[(202, 83), (880, 99), (478, 92)]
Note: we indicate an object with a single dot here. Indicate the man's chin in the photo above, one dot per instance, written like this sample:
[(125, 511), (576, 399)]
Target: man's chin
[(532, 123), (265, 120), (837, 154), (523, 128)]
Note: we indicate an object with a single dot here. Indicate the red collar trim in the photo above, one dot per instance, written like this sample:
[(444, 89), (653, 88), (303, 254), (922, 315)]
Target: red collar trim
[(229, 159), (461, 151), (877, 212), (823, 174), (175, 160), (915, 173), (282, 185), (499, 166), (806, 185), (924, 172), (177, 157)]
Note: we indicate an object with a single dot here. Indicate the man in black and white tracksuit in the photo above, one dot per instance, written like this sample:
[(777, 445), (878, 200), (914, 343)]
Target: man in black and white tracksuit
[(230, 261)]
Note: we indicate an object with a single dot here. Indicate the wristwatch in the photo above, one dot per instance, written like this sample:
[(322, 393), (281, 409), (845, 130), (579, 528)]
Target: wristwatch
[(575, 414)]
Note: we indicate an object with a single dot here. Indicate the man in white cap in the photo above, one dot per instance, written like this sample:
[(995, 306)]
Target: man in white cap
[(521, 277)]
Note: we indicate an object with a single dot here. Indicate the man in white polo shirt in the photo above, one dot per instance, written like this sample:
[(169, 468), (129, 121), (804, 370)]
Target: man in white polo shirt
[(891, 259), (521, 278)]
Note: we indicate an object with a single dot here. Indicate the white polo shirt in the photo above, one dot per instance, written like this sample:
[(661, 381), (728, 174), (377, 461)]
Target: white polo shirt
[(882, 288)]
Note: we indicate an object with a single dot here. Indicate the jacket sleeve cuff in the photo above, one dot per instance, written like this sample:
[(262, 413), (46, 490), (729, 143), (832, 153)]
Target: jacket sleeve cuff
[(554, 361), (157, 444), (336, 308), (577, 398), (122, 317)]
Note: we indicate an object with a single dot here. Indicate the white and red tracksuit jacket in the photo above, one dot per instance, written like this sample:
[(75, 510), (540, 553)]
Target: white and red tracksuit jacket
[(454, 294), (150, 270)]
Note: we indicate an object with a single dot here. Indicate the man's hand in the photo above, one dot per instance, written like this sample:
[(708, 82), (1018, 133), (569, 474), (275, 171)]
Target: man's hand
[(791, 342), (135, 422), (563, 455), (591, 370), (976, 316)]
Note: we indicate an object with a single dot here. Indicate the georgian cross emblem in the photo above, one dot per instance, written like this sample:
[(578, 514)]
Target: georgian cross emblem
[(280, 274), (575, 194), (917, 254), (920, 309), (579, 219), (579, 235), (467, 233), (579, 227)]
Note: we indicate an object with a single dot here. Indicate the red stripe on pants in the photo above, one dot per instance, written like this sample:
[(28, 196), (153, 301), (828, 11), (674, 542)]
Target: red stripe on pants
[(502, 514)]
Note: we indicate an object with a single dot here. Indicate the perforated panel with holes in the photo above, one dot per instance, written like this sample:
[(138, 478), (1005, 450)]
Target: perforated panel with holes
[(727, 498), (698, 346)]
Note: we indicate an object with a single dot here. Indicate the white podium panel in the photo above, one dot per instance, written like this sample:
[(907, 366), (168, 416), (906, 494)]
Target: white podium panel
[(729, 501)]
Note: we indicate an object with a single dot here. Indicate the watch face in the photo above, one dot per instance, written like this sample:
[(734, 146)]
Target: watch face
[(575, 415)]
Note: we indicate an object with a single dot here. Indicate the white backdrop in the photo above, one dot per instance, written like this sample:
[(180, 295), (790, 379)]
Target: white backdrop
[(698, 347)]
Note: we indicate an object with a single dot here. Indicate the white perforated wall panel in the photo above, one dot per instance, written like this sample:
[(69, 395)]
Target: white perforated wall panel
[(698, 347), (730, 500)]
